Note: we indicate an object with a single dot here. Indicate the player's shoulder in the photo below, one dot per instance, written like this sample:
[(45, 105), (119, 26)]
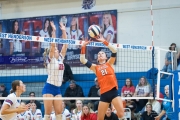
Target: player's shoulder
[(11, 96), (111, 27), (79, 31), (66, 111), (38, 110), (41, 31)]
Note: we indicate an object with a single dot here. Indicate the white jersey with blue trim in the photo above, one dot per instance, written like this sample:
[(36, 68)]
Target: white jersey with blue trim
[(66, 114), (76, 116), (23, 116), (55, 69), (53, 116), (13, 103), (109, 31), (37, 114)]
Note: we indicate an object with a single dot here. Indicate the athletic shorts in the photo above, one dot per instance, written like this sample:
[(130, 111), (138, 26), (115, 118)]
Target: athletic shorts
[(109, 95), (51, 89)]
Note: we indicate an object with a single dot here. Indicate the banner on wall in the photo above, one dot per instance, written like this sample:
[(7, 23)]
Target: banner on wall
[(107, 20), (27, 54), (177, 94)]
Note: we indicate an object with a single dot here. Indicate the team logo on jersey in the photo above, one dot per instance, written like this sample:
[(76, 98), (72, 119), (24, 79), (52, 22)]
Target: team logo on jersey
[(88, 4)]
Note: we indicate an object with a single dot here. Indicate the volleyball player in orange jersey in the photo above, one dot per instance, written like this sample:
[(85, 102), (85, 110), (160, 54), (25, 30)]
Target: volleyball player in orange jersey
[(106, 79)]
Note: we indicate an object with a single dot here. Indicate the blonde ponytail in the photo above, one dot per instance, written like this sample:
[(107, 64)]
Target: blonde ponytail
[(45, 56)]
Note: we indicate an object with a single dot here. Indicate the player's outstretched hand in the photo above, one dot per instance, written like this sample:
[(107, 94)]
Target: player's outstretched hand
[(21, 109), (28, 105), (86, 42), (53, 26), (61, 26)]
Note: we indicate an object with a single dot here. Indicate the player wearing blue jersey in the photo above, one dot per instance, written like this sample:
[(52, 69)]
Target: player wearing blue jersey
[(167, 106)]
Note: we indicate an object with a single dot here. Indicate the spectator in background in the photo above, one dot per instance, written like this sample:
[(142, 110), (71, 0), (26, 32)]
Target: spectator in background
[(3, 92), (53, 116), (156, 106), (24, 115), (35, 114), (66, 115), (168, 59), (142, 90), (38, 104), (128, 88), (76, 114), (110, 115), (73, 90), (131, 105), (68, 75), (93, 92), (167, 106), (150, 114), (87, 115)]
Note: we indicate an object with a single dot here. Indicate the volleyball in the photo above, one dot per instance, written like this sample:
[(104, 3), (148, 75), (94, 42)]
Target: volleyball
[(94, 31)]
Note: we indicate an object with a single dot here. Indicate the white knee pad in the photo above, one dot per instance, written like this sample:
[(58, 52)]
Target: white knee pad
[(47, 117), (59, 117)]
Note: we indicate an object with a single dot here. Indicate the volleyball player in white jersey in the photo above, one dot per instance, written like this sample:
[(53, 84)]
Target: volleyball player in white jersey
[(45, 32), (11, 106), (23, 115), (55, 70), (35, 114), (74, 33), (107, 28), (66, 114)]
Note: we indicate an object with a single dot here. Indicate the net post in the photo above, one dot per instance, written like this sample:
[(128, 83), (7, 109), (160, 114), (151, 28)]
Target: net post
[(159, 72), (153, 83)]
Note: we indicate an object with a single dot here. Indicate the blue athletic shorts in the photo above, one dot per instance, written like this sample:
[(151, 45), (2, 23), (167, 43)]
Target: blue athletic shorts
[(109, 95), (51, 89)]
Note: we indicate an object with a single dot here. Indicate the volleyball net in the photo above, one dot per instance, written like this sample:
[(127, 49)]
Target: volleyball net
[(134, 62), (140, 64)]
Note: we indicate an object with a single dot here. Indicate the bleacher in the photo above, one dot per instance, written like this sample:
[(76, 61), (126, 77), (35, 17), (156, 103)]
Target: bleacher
[(36, 83)]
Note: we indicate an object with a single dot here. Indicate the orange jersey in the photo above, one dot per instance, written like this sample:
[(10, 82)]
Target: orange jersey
[(106, 77)]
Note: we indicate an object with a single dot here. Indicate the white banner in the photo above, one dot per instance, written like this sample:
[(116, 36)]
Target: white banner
[(69, 41)]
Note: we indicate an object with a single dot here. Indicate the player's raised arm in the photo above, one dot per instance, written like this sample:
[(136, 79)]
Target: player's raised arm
[(53, 45), (83, 58), (64, 36), (111, 47)]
